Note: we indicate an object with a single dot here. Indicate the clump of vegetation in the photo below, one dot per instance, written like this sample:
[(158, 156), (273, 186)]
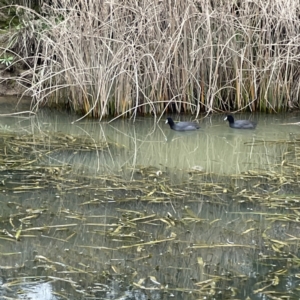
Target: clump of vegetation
[(123, 58)]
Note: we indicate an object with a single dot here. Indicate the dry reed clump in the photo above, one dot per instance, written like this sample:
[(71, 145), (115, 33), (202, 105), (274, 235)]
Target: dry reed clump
[(127, 57)]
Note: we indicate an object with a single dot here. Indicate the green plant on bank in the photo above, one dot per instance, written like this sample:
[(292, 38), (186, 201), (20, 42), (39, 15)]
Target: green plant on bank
[(6, 60), (126, 57)]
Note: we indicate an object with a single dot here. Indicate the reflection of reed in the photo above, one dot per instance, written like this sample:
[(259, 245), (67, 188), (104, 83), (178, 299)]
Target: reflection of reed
[(214, 148), (223, 152)]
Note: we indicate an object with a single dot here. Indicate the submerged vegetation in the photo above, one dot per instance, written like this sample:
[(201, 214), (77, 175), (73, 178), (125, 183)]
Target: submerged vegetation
[(208, 236), (127, 57)]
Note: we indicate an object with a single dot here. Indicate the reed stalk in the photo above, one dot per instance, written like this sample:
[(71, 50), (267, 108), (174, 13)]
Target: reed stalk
[(130, 57)]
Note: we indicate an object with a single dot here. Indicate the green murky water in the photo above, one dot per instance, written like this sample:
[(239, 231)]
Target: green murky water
[(133, 210)]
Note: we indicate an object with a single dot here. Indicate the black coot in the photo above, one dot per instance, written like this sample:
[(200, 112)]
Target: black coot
[(240, 124), (182, 126)]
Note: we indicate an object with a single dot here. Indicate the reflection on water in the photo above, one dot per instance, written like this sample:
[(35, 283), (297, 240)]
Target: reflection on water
[(129, 210), (214, 148), (40, 291)]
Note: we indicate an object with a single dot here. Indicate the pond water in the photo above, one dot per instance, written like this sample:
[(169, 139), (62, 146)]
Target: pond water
[(135, 210)]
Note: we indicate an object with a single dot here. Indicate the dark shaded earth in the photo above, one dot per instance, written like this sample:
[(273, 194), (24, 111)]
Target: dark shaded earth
[(10, 83)]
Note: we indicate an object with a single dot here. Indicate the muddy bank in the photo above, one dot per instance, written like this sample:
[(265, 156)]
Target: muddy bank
[(10, 82), (11, 104)]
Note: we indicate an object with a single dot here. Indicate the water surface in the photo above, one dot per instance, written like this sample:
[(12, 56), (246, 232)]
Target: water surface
[(134, 210)]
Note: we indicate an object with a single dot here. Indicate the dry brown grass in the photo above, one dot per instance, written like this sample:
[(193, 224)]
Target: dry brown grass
[(128, 57)]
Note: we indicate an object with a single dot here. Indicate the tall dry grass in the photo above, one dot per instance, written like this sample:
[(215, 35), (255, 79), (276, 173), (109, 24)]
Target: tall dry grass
[(126, 57)]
